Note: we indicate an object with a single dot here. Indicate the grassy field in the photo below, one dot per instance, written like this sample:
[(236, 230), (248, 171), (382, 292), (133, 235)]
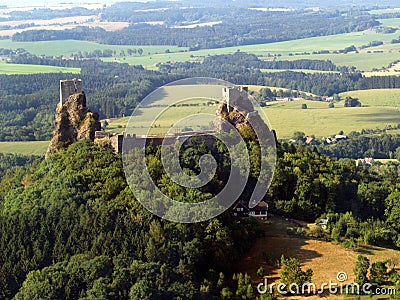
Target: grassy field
[(363, 61), (318, 119), (67, 47), (382, 109), (324, 258), (376, 97), (6, 68), (395, 22), (386, 161), (156, 54), (25, 148), (193, 97), (285, 118), (384, 11)]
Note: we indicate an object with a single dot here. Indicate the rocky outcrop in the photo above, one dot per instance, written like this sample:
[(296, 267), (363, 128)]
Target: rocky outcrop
[(237, 115), (74, 121)]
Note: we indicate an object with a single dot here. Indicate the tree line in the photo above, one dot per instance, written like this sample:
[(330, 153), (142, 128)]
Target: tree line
[(363, 145), (238, 27)]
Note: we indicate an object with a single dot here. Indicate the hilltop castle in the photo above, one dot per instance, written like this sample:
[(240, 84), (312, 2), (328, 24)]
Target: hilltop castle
[(235, 100), (236, 108)]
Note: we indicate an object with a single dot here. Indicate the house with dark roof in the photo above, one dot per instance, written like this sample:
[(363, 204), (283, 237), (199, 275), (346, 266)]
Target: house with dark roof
[(242, 210)]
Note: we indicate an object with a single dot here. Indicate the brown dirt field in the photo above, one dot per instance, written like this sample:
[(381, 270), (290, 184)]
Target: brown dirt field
[(326, 259), (392, 71)]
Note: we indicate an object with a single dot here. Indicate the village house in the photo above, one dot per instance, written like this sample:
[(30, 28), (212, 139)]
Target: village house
[(339, 137), (242, 210), (364, 161)]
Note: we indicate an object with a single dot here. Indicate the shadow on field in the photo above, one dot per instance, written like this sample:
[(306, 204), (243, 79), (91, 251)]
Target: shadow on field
[(268, 249)]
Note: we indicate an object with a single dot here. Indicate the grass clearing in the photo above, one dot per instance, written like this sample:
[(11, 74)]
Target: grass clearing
[(395, 22), (66, 47), (384, 11), (376, 97), (25, 148), (6, 68), (324, 258), (318, 119), (284, 117), (157, 54), (190, 100), (363, 61), (387, 160)]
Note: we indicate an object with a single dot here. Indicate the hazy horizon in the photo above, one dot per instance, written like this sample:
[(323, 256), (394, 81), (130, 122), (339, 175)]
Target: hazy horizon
[(43, 3)]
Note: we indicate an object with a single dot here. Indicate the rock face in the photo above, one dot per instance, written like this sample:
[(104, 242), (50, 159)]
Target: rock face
[(74, 121), (236, 109)]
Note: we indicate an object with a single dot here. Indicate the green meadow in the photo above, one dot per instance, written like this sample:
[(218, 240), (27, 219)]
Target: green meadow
[(395, 22), (377, 97), (25, 148), (384, 11), (157, 54), (67, 47), (287, 117), (6, 68), (318, 119), (363, 61)]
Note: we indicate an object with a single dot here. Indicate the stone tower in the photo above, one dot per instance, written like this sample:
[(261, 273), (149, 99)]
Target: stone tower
[(68, 88), (234, 96)]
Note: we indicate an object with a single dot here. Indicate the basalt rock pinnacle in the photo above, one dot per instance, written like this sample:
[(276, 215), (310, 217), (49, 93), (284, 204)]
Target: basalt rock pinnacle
[(74, 121)]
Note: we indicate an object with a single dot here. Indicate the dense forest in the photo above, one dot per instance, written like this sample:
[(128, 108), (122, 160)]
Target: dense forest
[(80, 227), (28, 101), (74, 230)]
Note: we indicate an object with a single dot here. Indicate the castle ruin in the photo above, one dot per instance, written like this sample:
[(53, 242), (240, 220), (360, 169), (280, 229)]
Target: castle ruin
[(235, 101), (235, 96), (69, 87)]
